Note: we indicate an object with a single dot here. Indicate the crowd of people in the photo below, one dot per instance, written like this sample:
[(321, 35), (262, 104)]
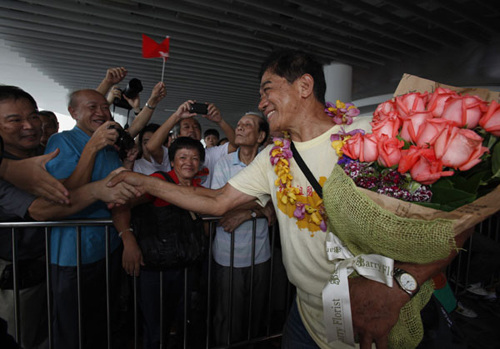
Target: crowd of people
[(232, 179)]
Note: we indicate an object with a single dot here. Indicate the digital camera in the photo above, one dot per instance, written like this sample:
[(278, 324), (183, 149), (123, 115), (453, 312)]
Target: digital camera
[(134, 87)]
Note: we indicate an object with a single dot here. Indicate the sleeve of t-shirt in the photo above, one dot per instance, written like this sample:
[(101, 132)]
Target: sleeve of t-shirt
[(14, 202), (63, 165), (253, 179)]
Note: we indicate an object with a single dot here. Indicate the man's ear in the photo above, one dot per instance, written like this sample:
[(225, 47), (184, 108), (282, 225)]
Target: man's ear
[(71, 111), (262, 136), (306, 84)]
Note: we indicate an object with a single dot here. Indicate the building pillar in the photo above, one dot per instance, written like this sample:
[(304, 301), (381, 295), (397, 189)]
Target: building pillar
[(338, 78)]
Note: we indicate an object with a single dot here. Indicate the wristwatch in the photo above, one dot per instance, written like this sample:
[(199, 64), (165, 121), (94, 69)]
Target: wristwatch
[(406, 281), (253, 214)]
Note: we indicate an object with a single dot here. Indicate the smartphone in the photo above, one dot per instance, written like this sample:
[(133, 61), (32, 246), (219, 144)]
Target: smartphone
[(199, 108)]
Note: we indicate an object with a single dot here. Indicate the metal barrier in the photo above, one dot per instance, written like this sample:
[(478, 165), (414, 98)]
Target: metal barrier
[(271, 332)]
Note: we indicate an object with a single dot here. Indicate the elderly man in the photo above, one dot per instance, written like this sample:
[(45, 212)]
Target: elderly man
[(250, 133), (21, 130), (292, 99), (87, 154)]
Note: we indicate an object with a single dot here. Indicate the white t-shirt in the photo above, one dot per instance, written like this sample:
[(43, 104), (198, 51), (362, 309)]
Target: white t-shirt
[(212, 155), (303, 243), (147, 167)]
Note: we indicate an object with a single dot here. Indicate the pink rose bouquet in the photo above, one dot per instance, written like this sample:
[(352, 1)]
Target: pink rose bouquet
[(429, 170), (441, 148)]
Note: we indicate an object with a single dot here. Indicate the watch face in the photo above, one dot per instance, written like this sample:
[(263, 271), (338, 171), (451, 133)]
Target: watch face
[(408, 282)]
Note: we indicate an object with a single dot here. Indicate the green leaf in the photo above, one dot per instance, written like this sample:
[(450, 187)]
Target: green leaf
[(495, 161), (451, 197)]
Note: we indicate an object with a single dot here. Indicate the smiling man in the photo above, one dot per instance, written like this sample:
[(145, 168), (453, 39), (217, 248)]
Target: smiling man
[(87, 154), (292, 97)]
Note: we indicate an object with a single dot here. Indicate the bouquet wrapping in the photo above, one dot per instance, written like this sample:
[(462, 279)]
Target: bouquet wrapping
[(371, 223)]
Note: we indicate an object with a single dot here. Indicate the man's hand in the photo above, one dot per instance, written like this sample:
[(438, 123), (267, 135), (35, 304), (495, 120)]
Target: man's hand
[(375, 310), (183, 112), (214, 114), (134, 179), (132, 255), (119, 194), (115, 75), (30, 175), (233, 219), (159, 92), (129, 160), (103, 136)]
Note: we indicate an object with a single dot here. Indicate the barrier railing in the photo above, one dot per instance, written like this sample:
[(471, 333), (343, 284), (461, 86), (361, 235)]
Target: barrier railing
[(276, 289)]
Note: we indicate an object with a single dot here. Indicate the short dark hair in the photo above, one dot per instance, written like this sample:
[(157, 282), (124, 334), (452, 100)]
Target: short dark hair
[(15, 93), (211, 131), (185, 143), (292, 64), (51, 115), (263, 125), (148, 128)]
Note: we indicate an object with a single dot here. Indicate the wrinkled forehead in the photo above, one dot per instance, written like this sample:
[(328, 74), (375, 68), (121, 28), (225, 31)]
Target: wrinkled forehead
[(89, 96), (190, 122), (16, 106)]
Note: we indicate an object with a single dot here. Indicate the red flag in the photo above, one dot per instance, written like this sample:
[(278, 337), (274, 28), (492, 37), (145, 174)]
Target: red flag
[(151, 49)]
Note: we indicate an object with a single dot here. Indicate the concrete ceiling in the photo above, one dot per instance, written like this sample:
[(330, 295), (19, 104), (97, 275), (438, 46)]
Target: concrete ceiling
[(217, 46)]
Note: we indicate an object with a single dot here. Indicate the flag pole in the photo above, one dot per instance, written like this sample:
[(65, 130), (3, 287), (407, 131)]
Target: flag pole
[(163, 68)]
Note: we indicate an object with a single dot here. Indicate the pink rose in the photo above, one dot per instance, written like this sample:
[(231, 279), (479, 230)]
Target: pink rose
[(437, 100), (388, 126), (384, 110), (411, 103), (464, 110), (430, 130), (389, 151), (369, 150), (459, 148), (352, 146), (422, 164), (491, 120), (413, 124)]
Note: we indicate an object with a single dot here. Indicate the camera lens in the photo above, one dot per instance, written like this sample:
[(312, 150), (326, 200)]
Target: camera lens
[(133, 88)]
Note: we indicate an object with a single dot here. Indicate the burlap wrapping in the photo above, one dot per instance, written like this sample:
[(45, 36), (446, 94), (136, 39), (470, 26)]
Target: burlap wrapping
[(365, 227)]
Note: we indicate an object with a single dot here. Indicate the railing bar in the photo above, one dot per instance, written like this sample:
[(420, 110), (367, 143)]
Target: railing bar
[(49, 288), (211, 227), (136, 315), (108, 291), (185, 307), (78, 283), (231, 270), (271, 278), (252, 278), (15, 288)]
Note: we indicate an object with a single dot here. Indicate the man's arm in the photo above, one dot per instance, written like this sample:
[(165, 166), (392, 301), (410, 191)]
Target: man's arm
[(132, 256), (156, 141), (215, 115), (376, 307), (142, 119), (101, 138), (113, 77), (197, 199), (30, 175), (42, 209)]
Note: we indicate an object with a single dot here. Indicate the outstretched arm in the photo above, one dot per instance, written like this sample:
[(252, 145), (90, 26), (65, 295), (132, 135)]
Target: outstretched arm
[(30, 175), (142, 119), (197, 199), (215, 115), (42, 209), (113, 77), (156, 141)]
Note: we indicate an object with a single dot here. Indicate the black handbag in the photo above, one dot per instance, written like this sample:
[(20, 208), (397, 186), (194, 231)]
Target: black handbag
[(169, 236)]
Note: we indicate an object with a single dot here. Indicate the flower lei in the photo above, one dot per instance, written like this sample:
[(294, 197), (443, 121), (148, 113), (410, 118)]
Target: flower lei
[(280, 155)]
